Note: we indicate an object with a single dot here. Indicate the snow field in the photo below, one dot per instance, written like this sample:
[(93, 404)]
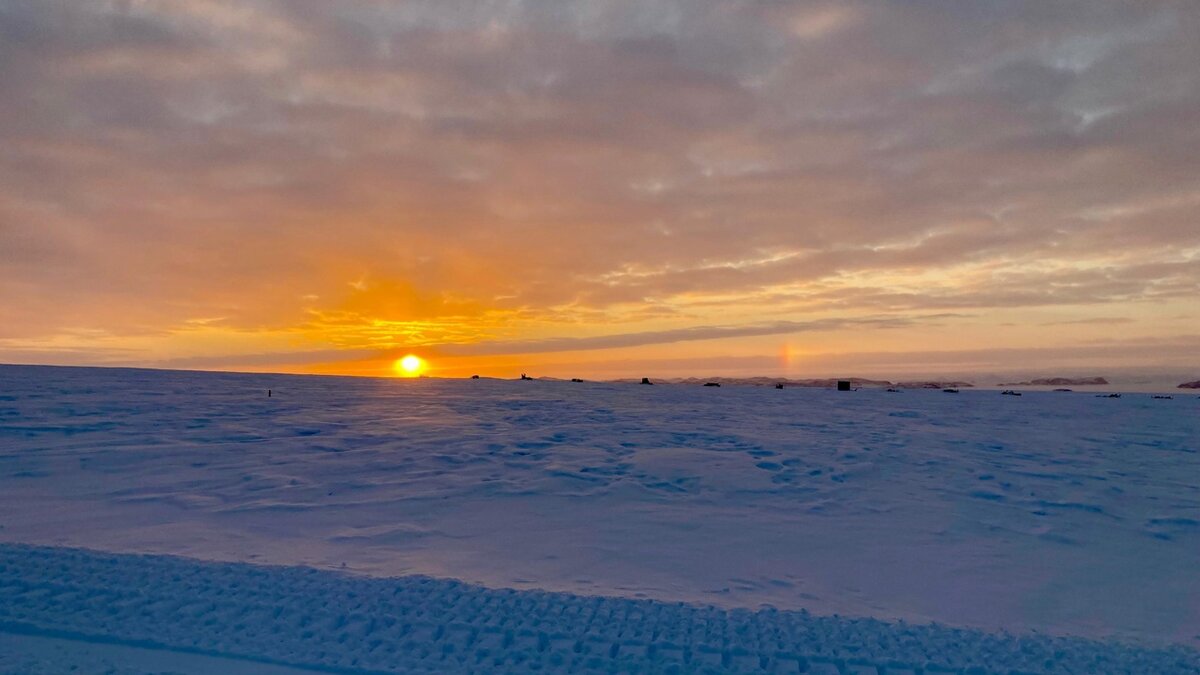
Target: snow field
[(579, 522)]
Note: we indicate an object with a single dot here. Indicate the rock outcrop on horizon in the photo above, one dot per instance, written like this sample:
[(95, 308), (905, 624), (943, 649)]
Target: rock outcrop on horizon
[(1057, 382), (933, 384), (1190, 385)]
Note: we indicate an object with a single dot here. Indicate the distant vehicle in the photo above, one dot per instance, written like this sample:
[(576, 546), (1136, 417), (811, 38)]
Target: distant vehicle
[(576, 379), (712, 384), (1010, 392), (646, 380), (951, 390)]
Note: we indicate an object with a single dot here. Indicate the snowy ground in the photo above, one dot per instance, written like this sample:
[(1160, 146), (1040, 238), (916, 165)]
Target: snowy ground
[(1060, 513)]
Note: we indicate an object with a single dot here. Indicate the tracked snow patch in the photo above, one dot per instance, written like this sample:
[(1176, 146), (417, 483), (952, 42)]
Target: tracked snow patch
[(237, 615)]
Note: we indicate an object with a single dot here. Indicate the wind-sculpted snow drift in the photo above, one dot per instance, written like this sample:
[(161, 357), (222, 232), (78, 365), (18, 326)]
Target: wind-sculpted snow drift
[(1060, 514)]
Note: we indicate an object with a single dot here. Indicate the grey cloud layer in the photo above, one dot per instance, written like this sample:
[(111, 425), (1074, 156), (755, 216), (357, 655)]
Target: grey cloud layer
[(168, 160), (693, 333)]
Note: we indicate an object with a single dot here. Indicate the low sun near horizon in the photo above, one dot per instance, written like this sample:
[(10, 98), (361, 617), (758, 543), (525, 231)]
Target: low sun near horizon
[(410, 365)]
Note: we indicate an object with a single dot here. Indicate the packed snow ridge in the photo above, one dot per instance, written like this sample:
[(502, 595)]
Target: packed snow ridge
[(1048, 516)]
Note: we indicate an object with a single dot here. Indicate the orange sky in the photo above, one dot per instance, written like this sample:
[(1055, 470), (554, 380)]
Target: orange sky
[(601, 189)]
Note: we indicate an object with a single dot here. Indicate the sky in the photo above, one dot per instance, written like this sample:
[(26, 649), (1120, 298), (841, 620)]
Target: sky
[(601, 189)]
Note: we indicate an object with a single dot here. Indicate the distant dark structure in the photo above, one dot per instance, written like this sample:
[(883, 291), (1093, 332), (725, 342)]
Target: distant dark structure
[(950, 390), (1160, 396), (268, 393), (576, 379), (843, 385), (1108, 396), (474, 377), (646, 380), (525, 377), (893, 390), (1010, 392), (1062, 390), (779, 386), (712, 384)]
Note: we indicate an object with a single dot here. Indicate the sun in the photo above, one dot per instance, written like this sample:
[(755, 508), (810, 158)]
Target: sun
[(409, 366)]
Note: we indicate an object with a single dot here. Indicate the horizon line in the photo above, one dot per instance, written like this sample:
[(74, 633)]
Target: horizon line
[(743, 380)]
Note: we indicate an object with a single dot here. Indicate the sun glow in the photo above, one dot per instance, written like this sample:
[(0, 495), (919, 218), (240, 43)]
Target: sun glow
[(409, 366)]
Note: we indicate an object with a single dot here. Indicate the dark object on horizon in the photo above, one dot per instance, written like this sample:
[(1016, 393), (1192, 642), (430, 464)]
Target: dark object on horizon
[(712, 384), (576, 379), (525, 377), (779, 386), (646, 380), (932, 384), (893, 390), (1108, 396), (474, 377), (817, 383), (1062, 390), (843, 385), (1010, 392), (1160, 396), (1189, 385), (951, 390), (1051, 381)]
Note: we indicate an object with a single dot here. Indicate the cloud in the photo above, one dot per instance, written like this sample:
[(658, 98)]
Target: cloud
[(267, 359), (504, 171), (1093, 321), (689, 334)]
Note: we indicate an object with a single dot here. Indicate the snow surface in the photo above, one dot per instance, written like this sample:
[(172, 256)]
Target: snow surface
[(1060, 513), (238, 614)]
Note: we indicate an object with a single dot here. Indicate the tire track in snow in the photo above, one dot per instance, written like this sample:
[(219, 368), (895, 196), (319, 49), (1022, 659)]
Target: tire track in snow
[(344, 624)]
